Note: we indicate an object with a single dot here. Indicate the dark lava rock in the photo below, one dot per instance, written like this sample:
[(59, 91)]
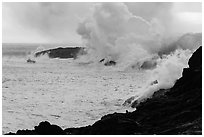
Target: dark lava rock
[(69, 52), (30, 61), (110, 63), (174, 111), (44, 128), (195, 62), (102, 60)]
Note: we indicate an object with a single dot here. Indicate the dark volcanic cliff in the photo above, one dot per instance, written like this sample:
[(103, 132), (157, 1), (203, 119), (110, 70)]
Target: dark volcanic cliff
[(69, 52), (177, 111)]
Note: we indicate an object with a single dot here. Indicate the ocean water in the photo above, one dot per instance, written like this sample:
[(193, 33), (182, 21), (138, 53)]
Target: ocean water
[(61, 91)]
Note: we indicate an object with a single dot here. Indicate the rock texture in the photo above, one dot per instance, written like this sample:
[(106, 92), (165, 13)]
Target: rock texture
[(108, 63), (69, 52), (44, 128), (176, 111)]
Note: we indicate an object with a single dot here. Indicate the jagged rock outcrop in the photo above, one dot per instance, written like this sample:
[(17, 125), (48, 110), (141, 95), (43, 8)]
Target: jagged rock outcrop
[(30, 61), (44, 128), (69, 52), (108, 63), (176, 111)]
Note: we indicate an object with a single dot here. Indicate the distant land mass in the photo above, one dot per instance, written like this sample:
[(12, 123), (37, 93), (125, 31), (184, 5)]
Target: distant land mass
[(68, 52)]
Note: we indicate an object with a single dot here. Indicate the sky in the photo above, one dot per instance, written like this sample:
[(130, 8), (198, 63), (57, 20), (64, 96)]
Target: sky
[(45, 22)]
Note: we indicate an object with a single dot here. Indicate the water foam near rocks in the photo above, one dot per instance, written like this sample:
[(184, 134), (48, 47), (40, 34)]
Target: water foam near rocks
[(127, 55)]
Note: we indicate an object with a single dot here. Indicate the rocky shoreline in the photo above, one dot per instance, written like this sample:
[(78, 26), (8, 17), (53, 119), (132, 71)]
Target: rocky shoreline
[(173, 111)]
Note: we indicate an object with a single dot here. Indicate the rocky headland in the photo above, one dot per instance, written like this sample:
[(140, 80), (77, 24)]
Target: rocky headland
[(68, 52)]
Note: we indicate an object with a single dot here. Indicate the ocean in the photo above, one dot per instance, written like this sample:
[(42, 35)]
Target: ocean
[(61, 91)]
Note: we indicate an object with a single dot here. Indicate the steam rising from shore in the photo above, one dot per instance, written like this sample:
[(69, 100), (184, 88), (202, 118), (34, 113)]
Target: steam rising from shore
[(114, 33)]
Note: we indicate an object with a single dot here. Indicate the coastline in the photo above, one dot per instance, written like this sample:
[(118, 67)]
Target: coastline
[(177, 110)]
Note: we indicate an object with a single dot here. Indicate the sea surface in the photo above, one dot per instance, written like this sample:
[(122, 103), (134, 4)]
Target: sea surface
[(61, 91)]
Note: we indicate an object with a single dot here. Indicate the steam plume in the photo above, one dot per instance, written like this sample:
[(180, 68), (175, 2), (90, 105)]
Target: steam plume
[(115, 33)]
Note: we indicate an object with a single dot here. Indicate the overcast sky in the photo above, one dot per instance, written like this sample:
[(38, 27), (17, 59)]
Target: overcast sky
[(57, 22)]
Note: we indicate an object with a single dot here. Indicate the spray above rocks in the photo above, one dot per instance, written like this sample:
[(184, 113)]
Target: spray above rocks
[(153, 41), (114, 33)]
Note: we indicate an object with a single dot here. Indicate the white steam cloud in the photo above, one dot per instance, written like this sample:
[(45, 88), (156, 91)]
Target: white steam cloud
[(168, 70), (113, 31), (144, 35)]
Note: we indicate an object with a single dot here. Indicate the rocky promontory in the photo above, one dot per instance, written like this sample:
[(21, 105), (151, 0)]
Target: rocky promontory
[(68, 52)]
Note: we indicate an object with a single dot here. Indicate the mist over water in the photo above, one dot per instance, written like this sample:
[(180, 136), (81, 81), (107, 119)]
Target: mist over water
[(146, 37), (148, 41)]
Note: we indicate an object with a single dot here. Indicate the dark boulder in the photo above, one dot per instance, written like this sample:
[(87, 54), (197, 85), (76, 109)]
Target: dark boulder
[(110, 63), (30, 61), (102, 60), (44, 128)]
